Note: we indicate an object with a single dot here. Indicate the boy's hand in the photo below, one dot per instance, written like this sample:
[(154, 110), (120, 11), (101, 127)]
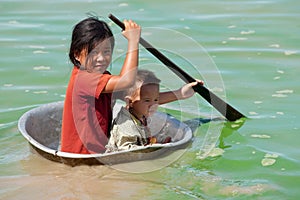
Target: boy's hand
[(187, 90)]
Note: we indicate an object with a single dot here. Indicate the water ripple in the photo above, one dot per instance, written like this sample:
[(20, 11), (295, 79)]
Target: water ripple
[(5, 110)]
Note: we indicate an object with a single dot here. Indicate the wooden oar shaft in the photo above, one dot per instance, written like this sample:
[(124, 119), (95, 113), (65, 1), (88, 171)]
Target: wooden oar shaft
[(225, 109)]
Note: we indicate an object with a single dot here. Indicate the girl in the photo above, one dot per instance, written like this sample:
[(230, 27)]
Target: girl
[(87, 113)]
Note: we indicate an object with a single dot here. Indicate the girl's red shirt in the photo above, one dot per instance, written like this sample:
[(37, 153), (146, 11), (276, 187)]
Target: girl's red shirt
[(87, 113)]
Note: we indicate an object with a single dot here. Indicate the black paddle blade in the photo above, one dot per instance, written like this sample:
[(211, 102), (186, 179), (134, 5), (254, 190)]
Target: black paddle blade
[(225, 109)]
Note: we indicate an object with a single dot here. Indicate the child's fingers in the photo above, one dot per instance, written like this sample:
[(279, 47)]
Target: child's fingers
[(126, 23), (200, 81), (197, 81), (130, 24), (193, 83)]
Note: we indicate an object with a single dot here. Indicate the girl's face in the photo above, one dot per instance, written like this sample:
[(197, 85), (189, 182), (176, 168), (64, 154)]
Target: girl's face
[(98, 59), (145, 101)]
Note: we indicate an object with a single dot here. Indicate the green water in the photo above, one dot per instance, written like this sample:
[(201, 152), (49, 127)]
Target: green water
[(245, 51)]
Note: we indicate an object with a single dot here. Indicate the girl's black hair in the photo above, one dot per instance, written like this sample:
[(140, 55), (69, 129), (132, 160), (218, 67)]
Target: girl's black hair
[(87, 34)]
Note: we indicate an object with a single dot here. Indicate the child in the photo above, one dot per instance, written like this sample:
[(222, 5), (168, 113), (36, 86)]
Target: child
[(130, 126), (87, 113)]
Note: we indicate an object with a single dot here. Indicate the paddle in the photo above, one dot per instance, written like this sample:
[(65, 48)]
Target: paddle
[(225, 109)]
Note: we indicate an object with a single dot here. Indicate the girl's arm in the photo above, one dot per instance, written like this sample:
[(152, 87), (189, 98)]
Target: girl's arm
[(128, 72), (182, 93)]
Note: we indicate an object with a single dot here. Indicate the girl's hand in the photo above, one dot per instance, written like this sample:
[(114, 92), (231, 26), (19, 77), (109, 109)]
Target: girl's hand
[(187, 90), (132, 31)]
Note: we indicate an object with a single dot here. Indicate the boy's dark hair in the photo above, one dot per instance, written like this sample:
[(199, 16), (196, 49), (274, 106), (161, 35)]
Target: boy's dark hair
[(143, 77), (147, 77), (87, 34)]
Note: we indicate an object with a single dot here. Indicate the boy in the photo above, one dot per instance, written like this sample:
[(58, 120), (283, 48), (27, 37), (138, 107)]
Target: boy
[(130, 129)]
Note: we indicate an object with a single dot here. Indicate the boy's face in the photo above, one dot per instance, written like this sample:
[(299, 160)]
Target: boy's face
[(146, 100), (98, 59)]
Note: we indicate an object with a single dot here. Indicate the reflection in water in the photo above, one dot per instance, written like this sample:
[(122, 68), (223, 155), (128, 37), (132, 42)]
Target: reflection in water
[(45, 179), (218, 128)]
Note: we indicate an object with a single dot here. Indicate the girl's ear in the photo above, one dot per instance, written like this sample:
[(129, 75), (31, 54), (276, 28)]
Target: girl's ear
[(77, 55), (80, 56), (77, 58)]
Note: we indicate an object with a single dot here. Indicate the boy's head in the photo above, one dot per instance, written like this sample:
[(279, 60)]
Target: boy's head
[(86, 36), (143, 97)]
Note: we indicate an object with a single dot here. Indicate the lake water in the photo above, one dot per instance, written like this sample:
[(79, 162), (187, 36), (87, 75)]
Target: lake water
[(247, 52)]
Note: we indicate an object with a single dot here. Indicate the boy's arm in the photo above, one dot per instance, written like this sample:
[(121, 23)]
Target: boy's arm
[(184, 92)]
